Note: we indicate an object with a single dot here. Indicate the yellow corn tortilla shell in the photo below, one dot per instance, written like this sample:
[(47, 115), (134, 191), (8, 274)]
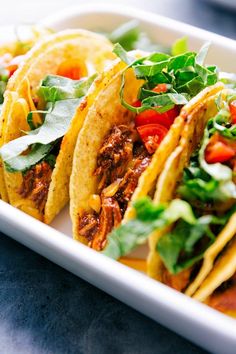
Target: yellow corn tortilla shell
[(150, 176), (106, 112), (89, 48), (17, 40), (212, 252), (203, 109), (223, 270)]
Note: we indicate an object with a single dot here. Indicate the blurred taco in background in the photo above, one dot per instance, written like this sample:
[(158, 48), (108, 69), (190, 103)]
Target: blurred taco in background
[(14, 44), (131, 129), (44, 108)]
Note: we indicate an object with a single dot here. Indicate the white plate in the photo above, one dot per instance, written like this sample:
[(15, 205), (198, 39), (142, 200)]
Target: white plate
[(224, 3), (197, 322)]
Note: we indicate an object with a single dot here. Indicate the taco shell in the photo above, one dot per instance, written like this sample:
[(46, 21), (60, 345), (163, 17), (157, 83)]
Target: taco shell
[(93, 51), (172, 174)]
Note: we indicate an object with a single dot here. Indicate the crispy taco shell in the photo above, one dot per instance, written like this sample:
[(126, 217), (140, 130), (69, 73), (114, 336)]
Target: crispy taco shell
[(92, 51), (107, 112), (171, 176), (219, 289), (17, 41)]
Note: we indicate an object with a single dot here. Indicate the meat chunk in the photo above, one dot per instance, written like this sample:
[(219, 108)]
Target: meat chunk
[(95, 227), (224, 298), (115, 154), (110, 217), (88, 225), (121, 161), (130, 180), (36, 183), (178, 281)]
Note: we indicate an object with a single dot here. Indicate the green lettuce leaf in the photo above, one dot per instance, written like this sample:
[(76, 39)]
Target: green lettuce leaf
[(55, 125), (56, 88), (126, 35), (130, 36), (177, 248), (63, 96), (184, 74), (150, 217), (218, 171), (24, 162), (180, 46), (229, 79)]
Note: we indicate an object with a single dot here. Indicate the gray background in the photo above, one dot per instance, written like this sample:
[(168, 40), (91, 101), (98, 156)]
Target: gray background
[(43, 308)]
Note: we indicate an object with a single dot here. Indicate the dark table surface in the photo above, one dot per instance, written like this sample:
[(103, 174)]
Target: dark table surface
[(45, 309)]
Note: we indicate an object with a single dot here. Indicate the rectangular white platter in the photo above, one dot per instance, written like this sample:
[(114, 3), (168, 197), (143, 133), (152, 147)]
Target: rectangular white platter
[(196, 322)]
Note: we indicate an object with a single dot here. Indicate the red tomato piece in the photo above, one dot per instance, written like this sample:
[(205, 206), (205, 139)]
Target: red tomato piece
[(219, 152), (152, 135), (152, 117), (160, 88), (137, 103), (232, 108), (71, 68), (13, 65)]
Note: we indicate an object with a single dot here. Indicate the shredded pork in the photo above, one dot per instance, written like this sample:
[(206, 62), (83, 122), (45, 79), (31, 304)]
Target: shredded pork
[(35, 184), (121, 161)]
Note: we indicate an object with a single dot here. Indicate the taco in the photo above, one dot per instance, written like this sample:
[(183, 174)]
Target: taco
[(131, 129), (183, 254), (15, 43), (45, 104), (191, 218), (219, 289)]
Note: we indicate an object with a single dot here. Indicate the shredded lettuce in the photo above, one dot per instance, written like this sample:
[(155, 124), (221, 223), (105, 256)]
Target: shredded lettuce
[(210, 183), (229, 79), (62, 97), (150, 217), (177, 248), (184, 74), (130, 36), (57, 88), (180, 46)]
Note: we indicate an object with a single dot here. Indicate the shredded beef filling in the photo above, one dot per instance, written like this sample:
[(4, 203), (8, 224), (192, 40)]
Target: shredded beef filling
[(35, 184), (178, 281), (121, 161), (224, 298)]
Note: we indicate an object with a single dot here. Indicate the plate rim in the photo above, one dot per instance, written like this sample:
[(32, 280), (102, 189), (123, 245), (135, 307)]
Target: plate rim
[(218, 334)]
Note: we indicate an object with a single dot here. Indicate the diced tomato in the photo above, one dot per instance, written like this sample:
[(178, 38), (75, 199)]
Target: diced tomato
[(13, 65), (152, 135), (12, 68), (232, 108), (137, 103), (72, 69), (219, 152), (160, 88), (152, 117)]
